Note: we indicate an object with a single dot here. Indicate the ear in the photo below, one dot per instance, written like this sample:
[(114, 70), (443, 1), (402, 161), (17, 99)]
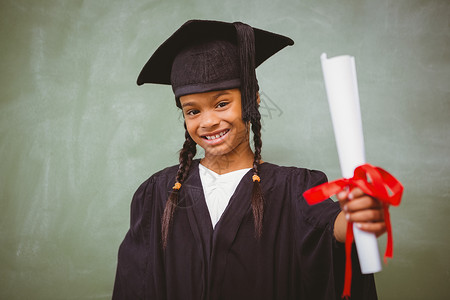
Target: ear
[(258, 99)]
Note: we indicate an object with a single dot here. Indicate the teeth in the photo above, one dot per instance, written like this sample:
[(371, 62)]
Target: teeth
[(213, 137)]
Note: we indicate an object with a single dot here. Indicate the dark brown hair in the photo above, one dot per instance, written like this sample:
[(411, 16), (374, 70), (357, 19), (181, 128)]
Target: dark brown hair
[(257, 195), (187, 153)]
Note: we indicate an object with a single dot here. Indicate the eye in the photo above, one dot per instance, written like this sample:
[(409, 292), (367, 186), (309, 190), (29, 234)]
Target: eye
[(222, 104), (192, 112)]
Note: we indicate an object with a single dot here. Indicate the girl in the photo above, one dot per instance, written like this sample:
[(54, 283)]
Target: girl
[(230, 226)]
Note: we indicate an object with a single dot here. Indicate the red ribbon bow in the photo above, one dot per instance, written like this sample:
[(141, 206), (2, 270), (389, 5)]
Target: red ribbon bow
[(373, 181)]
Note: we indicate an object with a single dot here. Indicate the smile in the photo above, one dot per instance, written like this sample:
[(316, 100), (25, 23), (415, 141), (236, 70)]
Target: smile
[(215, 136)]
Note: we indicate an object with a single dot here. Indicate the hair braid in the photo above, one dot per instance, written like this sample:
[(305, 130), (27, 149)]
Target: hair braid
[(187, 153), (257, 195)]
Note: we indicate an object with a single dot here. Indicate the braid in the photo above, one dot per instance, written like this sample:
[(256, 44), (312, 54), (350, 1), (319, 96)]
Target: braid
[(187, 153), (257, 195)]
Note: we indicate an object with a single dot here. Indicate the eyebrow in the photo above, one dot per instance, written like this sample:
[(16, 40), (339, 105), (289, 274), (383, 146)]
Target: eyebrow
[(220, 93), (187, 104)]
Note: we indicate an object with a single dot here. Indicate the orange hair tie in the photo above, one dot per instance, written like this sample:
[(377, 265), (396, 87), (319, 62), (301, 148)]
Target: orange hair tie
[(256, 178), (177, 186)]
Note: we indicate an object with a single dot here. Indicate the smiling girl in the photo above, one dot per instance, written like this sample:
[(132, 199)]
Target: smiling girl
[(228, 225)]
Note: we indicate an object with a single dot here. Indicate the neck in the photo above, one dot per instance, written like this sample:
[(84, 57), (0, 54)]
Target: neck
[(235, 160)]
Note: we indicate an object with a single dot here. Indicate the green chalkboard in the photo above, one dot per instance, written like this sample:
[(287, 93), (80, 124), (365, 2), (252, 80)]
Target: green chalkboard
[(78, 135)]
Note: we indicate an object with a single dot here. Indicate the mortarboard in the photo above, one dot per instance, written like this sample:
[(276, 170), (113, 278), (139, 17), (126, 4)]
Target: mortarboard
[(204, 56)]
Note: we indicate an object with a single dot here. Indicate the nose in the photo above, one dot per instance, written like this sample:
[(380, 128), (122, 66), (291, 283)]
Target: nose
[(209, 119)]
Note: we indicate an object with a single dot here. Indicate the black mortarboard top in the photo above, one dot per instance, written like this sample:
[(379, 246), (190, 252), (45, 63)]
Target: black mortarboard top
[(204, 56)]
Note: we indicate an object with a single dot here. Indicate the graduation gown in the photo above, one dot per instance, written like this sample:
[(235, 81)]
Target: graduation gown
[(297, 256)]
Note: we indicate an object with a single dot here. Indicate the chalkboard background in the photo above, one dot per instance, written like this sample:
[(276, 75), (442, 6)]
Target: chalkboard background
[(78, 135)]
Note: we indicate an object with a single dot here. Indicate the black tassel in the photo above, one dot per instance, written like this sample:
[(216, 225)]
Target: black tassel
[(249, 83)]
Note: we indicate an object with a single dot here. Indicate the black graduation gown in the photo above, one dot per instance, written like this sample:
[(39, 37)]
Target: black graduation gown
[(297, 256)]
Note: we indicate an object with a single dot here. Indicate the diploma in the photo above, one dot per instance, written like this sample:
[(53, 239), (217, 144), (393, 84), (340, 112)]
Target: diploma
[(343, 99)]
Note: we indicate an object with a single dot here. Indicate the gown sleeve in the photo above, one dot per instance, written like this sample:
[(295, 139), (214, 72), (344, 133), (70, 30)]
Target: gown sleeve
[(140, 274), (321, 256)]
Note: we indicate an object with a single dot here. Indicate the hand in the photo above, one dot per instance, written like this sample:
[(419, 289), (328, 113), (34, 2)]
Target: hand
[(365, 211)]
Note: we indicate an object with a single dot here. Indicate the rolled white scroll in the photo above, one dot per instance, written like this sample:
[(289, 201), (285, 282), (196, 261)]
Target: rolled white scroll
[(342, 91)]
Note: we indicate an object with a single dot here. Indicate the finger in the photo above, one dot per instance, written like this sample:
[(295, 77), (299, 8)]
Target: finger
[(366, 215), (378, 228), (343, 195), (361, 203), (355, 193)]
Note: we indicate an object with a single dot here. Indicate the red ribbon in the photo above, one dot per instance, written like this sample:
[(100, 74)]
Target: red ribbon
[(373, 181)]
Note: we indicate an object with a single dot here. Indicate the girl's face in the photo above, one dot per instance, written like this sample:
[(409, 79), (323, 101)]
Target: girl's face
[(214, 122)]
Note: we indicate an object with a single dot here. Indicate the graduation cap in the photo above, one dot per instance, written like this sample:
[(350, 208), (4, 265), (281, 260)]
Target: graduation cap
[(203, 56)]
